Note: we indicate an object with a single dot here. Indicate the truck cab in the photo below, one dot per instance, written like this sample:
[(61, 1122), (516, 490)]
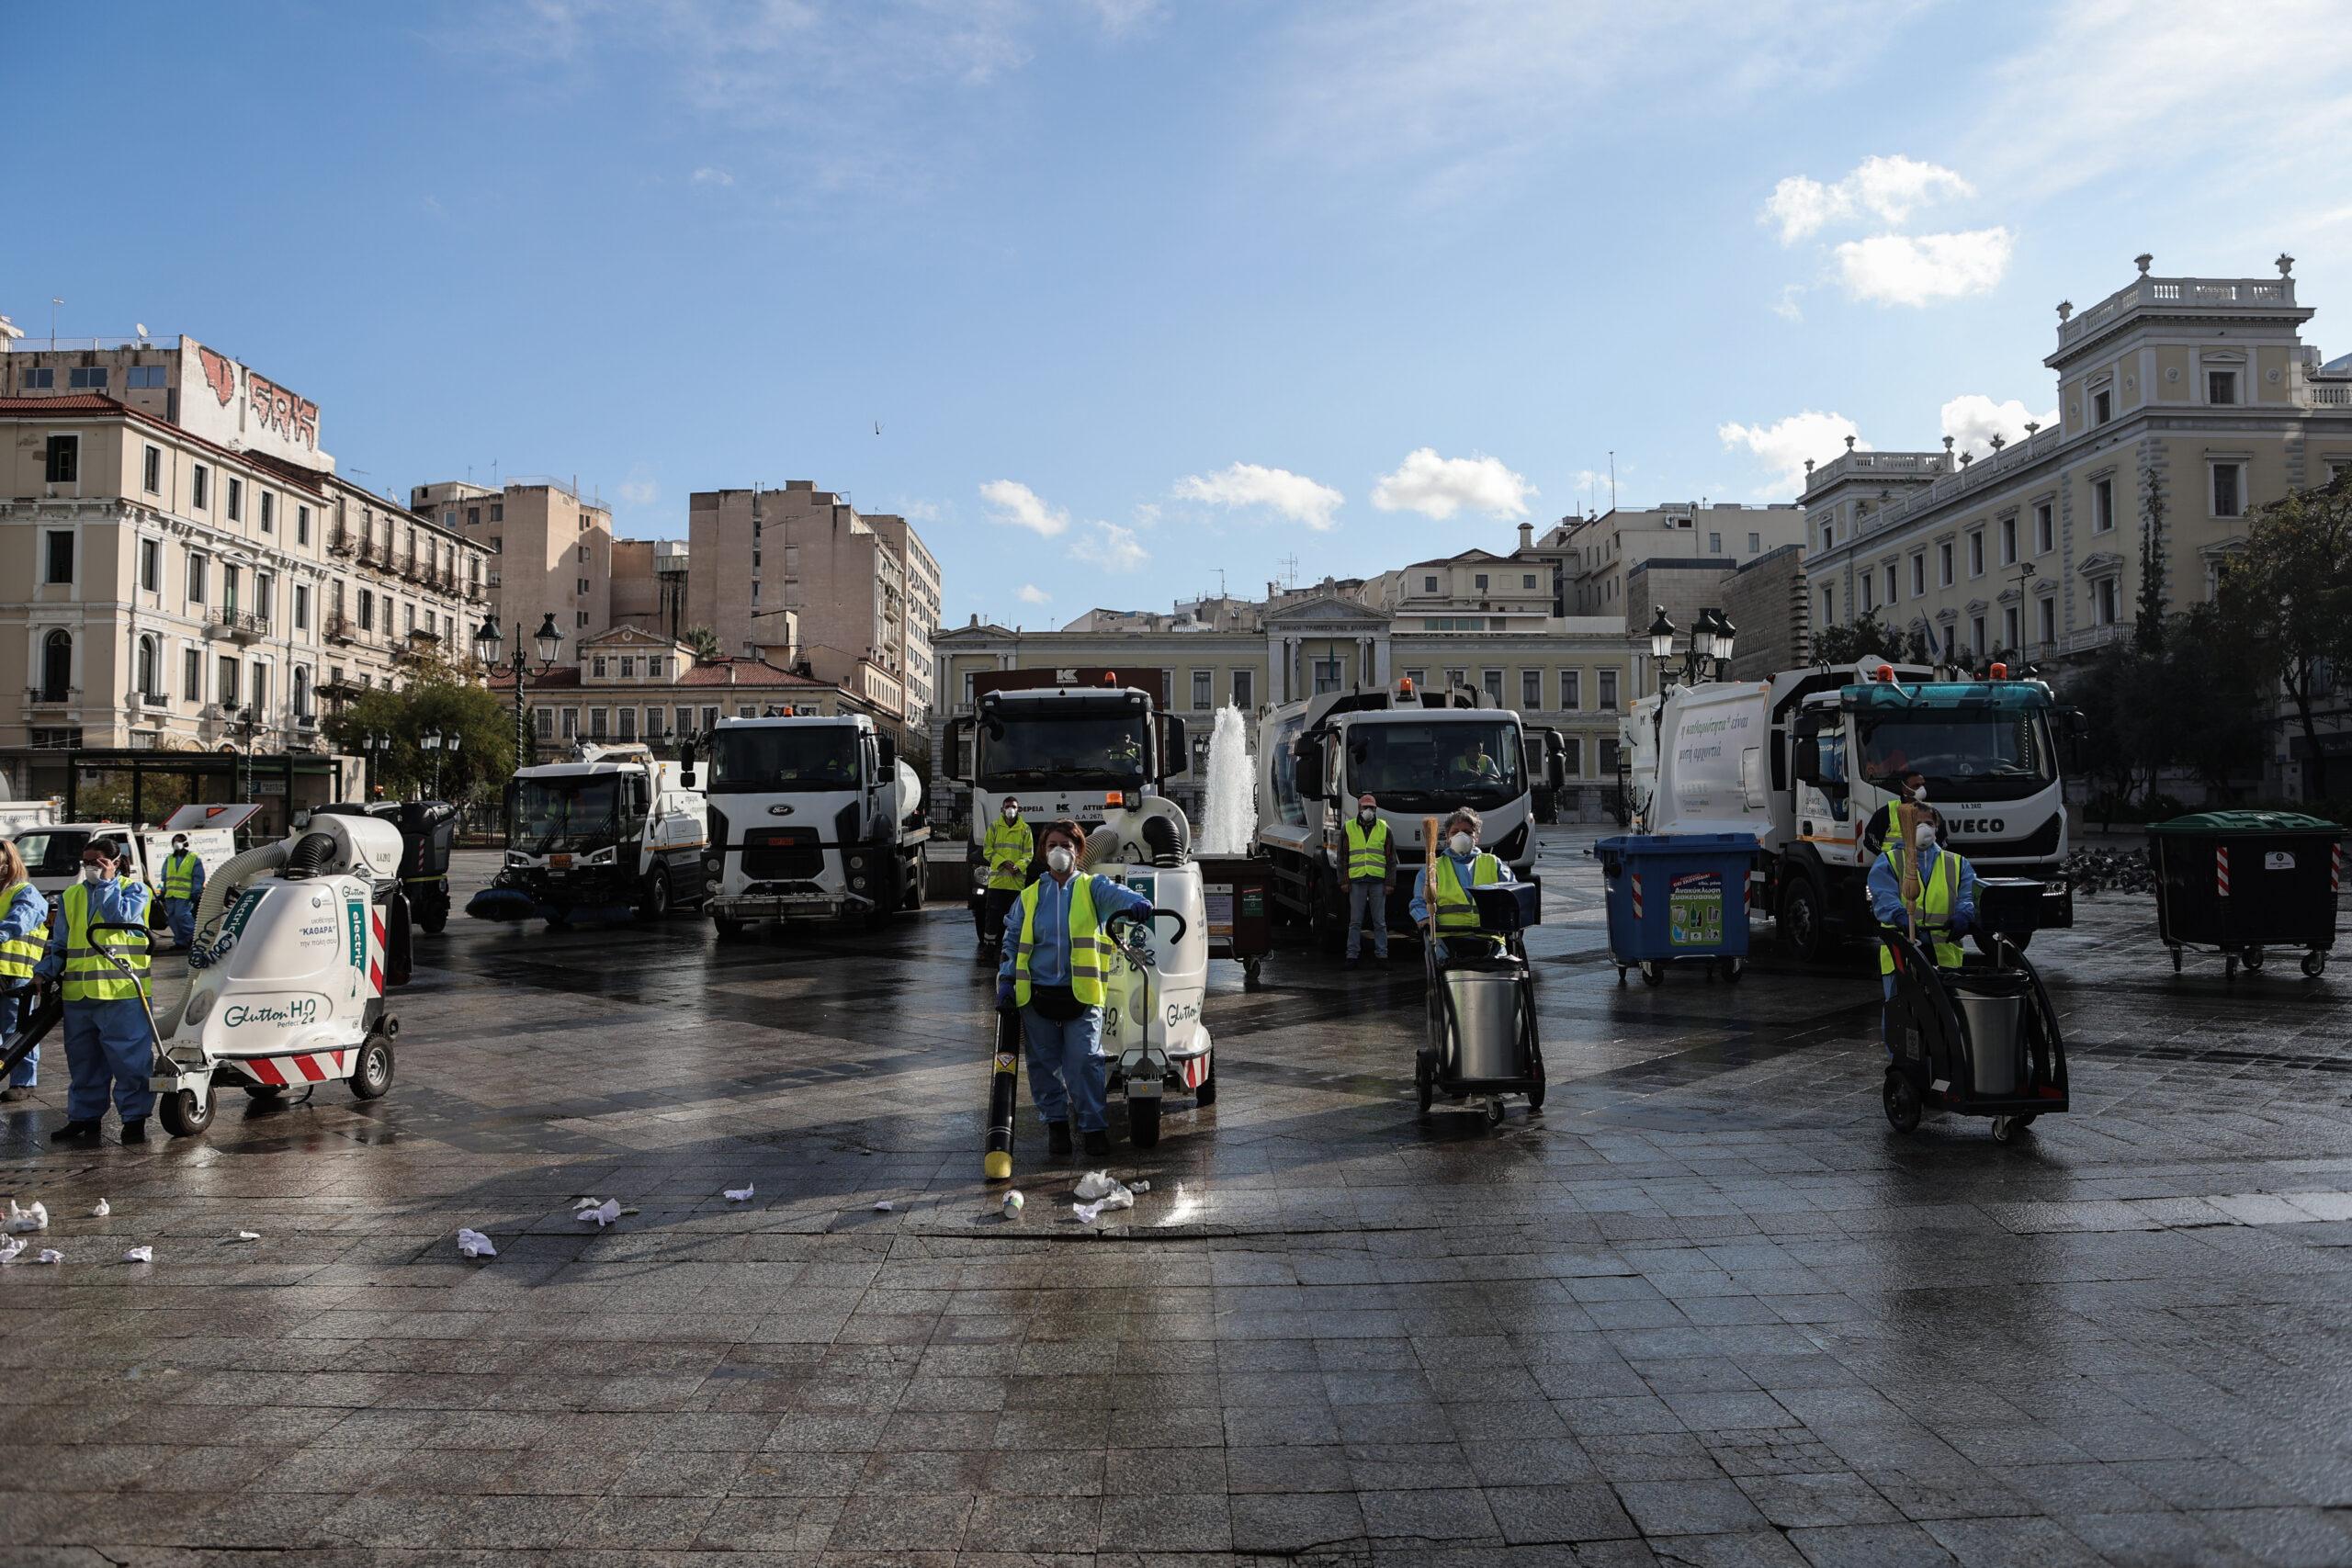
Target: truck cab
[(811, 817), (617, 829)]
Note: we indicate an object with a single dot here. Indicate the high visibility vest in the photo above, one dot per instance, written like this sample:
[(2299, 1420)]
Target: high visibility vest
[(18, 955), (1008, 850), (179, 874), (1367, 852), (1939, 894), (90, 977), (1456, 911), (1090, 950)]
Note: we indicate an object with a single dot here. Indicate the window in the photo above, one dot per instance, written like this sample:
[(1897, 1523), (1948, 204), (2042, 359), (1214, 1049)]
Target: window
[(1715, 544), (408, 619), (265, 593), (1573, 762), (1201, 689), (150, 672), (1244, 690), (543, 723), (199, 485), (151, 565), (302, 707), (236, 498), (1530, 690), (709, 718), (1829, 607), (195, 578), (302, 525), (2046, 619), (2102, 505), (596, 724), (56, 667), (58, 556), (2228, 490), (147, 377), (584, 588), (228, 587), (473, 516), (654, 665), (2107, 601), (366, 610), (1429, 584), (580, 617), (38, 378), (1327, 675), (572, 724), (1890, 583), (2102, 407), (584, 554), (1527, 579), (1571, 691), (1943, 564), (1608, 752), (685, 720), (627, 717), (1608, 691), (597, 666), (192, 676), (2220, 385), (1976, 552), (1492, 680), (2008, 627), (2008, 541), (301, 607), (1976, 633), (629, 667), (1755, 544), (1829, 536), (227, 685), (498, 511), (64, 459), (2042, 528), (268, 512), (1919, 574), (86, 378), (1865, 584), (150, 470), (260, 686), (1479, 581), (1456, 678)]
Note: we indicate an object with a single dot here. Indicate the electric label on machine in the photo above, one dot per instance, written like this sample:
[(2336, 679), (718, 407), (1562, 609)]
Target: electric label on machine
[(355, 925), (235, 924), (1695, 910)]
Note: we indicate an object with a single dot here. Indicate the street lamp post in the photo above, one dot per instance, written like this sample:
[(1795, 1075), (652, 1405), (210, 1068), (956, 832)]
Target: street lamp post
[(1712, 636), (487, 646), (249, 716), (431, 741)]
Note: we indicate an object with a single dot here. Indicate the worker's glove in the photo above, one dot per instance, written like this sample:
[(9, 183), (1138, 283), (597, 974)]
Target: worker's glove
[(1003, 995), (1959, 928)]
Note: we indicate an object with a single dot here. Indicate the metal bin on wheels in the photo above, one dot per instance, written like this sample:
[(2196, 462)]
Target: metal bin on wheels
[(1675, 899), (1241, 925), (2239, 881)]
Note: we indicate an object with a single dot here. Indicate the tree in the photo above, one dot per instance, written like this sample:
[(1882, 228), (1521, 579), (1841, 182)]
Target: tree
[(705, 642), (2214, 691), (2148, 630), (2289, 593), (1864, 637), (440, 699)]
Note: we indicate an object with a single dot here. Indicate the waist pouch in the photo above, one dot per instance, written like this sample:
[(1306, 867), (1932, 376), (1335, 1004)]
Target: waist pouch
[(1055, 1004)]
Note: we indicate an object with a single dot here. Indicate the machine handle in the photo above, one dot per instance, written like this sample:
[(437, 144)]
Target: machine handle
[(1183, 925), (144, 934)]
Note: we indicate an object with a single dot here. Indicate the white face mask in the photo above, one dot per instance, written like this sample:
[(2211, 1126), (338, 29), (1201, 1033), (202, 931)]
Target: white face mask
[(1920, 794), (1058, 859), (1926, 837), (1367, 816), (1013, 813), (1462, 843), (93, 873)]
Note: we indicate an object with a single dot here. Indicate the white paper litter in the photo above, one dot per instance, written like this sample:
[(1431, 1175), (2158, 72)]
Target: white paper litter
[(9, 1247), (246, 1236), (584, 1204), (49, 1254), (1095, 1184), (1140, 1187), (882, 1206), (1118, 1197), (604, 1213), (102, 1210), (33, 1219), (473, 1244), (140, 1255), (742, 1194)]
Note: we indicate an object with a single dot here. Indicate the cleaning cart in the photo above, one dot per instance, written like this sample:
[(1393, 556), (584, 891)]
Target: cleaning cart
[(1482, 1038), (1982, 1039)]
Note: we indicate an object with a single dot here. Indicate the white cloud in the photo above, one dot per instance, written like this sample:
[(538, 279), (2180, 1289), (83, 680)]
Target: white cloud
[(1971, 419), (920, 511), (1012, 502), (640, 491), (1110, 546), (1919, 269), (1029, 593), (1293, 496), (1786, 306), (706, 176), (1439, 487), (1887, 188), (1786, 444)]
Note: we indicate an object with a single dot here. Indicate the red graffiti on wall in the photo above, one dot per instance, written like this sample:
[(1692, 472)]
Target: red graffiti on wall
[(219, 373), (297, 419)]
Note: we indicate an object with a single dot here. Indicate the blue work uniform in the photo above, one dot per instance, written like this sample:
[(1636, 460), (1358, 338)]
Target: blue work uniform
[(1886, 905), (1465, 872), (107, 1038), (183, 886), (23, 938), (1065, 1067)]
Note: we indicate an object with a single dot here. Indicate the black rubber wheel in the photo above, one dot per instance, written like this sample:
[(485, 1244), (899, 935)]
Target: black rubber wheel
[(435, 920), (1327, 922), (2314, 965), (1803, 920), (1734, 968), (1902, 1101), (727, 926), (2229, 966), (185, 1114), (915, 887), (1142, 1123), (1253, 975), (2176, 961), (2253, 960), (653, 895), (265, 1091), (1652, 973), (1494, 1111), (1424, 1080), (2019, 1124), (1206, 1096), (374, 1074), (2004, 1129)]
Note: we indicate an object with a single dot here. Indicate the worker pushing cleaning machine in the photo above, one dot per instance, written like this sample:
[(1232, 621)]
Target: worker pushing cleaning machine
[(1925, 890), (109, 1040)]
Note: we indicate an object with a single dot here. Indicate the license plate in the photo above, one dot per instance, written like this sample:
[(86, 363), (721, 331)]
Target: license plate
[(559, 863)]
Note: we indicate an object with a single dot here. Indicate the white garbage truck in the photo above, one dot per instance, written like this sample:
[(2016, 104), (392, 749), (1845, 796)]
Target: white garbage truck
[(811, 817), (616, 831), (1804, 760), (1421, 753)]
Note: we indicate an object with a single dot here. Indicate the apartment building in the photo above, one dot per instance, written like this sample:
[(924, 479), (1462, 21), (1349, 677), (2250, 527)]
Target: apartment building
[(550, 550), (181, 568), (650, 579), (1596, 553), (635, 685)]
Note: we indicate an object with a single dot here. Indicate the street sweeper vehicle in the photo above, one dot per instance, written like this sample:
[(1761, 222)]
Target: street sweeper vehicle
[(296, 944), (1154, 1037), (618, 831), (812, 816)]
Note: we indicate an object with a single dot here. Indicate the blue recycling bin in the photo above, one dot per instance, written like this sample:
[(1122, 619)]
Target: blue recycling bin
[(1675, 899)]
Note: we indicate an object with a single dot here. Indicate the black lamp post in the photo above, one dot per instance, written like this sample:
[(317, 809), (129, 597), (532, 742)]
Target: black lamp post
[(1712, 636), (487, 645), (372, 745)]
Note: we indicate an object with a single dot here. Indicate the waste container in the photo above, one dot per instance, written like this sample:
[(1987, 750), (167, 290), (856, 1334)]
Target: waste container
[(1992, 1013), (1676, 897), (2237, 882)]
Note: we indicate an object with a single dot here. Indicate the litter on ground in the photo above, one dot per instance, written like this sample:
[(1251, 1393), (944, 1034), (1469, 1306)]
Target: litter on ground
[(473, 1244)]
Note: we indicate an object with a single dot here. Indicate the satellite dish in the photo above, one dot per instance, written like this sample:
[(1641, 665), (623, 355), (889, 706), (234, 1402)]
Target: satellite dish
[(142, 328)]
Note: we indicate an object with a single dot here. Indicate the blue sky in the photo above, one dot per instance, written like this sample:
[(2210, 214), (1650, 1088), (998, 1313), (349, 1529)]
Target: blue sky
[(1138, 291)]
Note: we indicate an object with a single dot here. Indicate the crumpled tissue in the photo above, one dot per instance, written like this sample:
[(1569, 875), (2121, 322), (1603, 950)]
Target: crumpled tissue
[(246, 1236), (742, 1194), (882, 1206), (49, 1254), (473, 1244), (1095, 1184), (140, 1255), (604, 1213), (102, 1210), (9, 1247), (33, 1219), (1117, 1197)]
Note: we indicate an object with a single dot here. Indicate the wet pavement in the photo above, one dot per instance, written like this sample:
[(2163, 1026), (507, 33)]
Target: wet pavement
[(1706, 1308)]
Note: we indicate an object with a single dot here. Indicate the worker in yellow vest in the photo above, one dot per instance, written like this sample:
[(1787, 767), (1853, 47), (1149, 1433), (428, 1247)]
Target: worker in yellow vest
[(108, 1037), (1947, 909), (183, 886), (1372, 861), (1447, 913), (1008, 848), (1056, 955), (24, 935)]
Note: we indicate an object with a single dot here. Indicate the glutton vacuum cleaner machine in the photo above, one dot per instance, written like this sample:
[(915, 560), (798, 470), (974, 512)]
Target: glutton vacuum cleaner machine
[(296, 943)]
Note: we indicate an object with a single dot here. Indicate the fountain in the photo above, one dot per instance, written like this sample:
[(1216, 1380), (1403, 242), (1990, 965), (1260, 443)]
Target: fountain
[(1231, 799)]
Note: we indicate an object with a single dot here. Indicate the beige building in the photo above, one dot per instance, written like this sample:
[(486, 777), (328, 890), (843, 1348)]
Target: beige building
[(1596, 553), (855, 584), (650, 579), (550, 548), (182, 569)]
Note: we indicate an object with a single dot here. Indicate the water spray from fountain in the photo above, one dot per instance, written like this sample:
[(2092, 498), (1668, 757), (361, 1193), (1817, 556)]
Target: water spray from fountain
[(1231, 805)]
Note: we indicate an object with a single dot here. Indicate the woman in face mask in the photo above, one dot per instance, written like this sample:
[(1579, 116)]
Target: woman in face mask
[(1448, 914), (1056, 956), (1946, 907)]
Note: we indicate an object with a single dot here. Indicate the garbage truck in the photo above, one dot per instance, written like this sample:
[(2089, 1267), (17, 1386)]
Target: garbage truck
[(1073, 743), (812, 816), (1801, 761), (616, 830), (1421, 753)]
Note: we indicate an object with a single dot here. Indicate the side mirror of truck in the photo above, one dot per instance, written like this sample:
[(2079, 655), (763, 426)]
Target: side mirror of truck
[(1804, 758), (1308, 773), (890, 755), (1175, 749), (685, 765), (960, 750), (1556, 760)]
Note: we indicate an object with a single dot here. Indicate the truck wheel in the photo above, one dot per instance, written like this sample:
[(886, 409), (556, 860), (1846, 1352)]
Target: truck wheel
[(915, 889), (1143, 1121), (1205, 1095), (653, 897), (184, 1113), (1327, 918), (727, 926), (1803, 920), (373, 1075), (434, 919)]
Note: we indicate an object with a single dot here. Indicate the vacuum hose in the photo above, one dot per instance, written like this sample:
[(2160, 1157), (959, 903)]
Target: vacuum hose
[(312, 851), (220, 889)]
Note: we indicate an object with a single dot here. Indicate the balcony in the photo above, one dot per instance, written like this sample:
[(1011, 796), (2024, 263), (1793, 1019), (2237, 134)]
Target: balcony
[(238, 626), (49, 697), (2181, 296), (342, 629), (342, 542)]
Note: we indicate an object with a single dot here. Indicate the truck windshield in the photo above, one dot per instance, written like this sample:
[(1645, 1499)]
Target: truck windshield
[(1418, 766), (568, 814), (1105, 751), (793, 757), (1970, 748)]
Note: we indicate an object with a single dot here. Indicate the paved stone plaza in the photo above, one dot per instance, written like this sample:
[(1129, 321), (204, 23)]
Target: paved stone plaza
[(1707, 1308)]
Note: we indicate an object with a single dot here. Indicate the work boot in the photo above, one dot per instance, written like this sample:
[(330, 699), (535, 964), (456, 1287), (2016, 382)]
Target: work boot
[(1058, 1139), (15, 1093), (76, 1132), (1098, 1142), (1348, 964), (135, 1130)]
